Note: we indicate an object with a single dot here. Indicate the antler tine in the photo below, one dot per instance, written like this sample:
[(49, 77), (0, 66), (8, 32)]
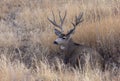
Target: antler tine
[(80, 15), (78, 19), (61, 21), (53, 16), (54, 22)]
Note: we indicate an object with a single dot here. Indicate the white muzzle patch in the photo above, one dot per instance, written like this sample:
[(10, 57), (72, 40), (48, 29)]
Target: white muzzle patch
[(59, 40)]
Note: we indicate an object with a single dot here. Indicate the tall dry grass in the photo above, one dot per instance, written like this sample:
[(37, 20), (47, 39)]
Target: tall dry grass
[(26, 39), (16, 71)]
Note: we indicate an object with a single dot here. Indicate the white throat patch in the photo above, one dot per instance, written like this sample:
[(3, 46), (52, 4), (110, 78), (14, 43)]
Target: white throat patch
[(62, 47)]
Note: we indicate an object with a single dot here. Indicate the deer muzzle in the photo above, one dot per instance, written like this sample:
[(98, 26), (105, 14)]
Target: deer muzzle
[(55, 42)]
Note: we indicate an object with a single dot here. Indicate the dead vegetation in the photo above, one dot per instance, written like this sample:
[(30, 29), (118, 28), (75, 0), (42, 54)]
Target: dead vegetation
[(26, 39)]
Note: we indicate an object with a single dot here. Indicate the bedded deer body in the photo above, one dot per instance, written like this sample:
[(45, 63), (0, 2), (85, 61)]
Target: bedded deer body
[(75, 54)]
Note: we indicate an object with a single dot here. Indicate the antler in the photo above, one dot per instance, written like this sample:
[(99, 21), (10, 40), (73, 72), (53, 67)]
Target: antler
[(61, 21), (78, 19)]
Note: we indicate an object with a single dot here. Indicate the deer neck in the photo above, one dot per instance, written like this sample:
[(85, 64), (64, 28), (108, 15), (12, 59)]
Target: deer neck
[(68, 48)]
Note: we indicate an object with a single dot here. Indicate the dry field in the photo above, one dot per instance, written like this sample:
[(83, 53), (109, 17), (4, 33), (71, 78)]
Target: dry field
[(27, 52)]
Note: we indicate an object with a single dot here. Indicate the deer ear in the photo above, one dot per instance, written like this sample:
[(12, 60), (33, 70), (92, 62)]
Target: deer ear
[(57, 32)]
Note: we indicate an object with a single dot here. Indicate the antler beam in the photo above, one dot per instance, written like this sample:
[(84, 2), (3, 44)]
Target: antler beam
[(61, 21), (78, 20)]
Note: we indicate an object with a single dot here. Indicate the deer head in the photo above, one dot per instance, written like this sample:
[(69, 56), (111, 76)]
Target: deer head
[(62, 37)]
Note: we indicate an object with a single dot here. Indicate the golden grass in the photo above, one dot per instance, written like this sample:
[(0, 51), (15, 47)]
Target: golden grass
[(101, 26), (18, 72), (7, 36)]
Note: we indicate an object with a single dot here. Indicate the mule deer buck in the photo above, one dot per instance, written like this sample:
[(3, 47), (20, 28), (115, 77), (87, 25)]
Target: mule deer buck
[(75, 54)]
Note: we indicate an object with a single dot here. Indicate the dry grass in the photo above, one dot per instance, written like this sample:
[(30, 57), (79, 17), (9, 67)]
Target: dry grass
[(27, 36), (16, 71)]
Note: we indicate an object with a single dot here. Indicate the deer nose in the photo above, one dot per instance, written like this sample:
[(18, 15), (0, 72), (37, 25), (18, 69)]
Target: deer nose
[(55, 42)]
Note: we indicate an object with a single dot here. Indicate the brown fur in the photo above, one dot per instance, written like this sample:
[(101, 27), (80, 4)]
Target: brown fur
[(78, 55)]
